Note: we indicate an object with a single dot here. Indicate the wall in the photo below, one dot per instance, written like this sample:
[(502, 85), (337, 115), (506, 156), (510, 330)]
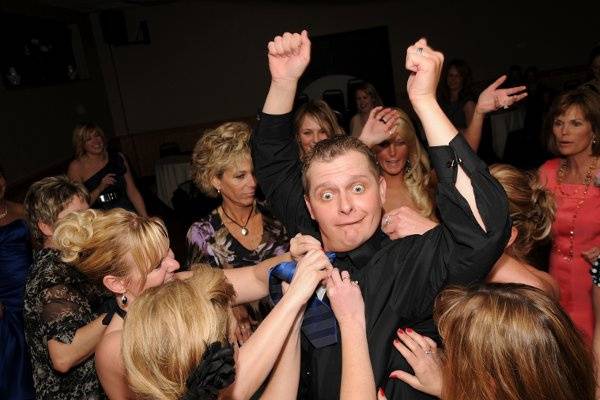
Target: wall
[(206, 60), (36, 123)]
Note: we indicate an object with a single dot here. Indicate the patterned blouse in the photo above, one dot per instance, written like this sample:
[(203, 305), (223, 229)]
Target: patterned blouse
[(209, 241), (58, 301)]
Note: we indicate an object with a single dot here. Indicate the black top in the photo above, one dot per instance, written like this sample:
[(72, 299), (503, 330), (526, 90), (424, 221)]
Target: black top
[(114, 196), (399, 279)]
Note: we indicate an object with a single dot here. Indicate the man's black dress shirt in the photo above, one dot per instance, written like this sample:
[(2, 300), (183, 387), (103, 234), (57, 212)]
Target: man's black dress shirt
[(399, 279)]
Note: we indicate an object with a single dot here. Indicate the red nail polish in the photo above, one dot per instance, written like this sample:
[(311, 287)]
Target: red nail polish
[(400, 331), (381, 392), (396, 341), (409, 330), (393, 375)]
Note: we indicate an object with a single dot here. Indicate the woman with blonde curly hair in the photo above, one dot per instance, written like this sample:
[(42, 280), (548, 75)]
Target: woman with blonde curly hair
[(532, 209), (129, 254), (241, 231)]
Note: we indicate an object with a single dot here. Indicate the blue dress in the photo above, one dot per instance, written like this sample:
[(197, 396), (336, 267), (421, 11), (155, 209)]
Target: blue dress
[(16, 380)]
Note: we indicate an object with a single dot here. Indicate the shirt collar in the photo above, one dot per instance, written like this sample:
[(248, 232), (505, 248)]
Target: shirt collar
[(361, 256)]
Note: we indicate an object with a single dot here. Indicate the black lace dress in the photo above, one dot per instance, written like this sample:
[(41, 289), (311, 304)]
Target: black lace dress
[(58, 301)]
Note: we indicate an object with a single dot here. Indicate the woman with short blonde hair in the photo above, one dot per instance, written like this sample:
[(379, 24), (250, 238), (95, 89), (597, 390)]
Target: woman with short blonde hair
[(241, 231), (106, 175)]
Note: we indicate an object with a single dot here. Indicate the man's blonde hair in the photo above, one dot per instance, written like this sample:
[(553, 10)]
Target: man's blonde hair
[(168, 329)]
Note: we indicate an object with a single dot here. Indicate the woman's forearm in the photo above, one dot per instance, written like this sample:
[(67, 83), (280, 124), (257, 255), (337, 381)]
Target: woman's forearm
[(65, 356), (285, 378), (258, 355), (358, 382), (252, 283)]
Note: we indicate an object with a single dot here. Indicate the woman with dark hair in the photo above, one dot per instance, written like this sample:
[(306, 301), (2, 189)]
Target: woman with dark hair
[(15, 259), (456, 95), (572, 130), (313, 122)]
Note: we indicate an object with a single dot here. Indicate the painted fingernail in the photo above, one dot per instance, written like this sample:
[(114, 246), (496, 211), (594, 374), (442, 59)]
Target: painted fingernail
[(396, 342), (408, 330), (381, 392), (400, 331), (393, 375)]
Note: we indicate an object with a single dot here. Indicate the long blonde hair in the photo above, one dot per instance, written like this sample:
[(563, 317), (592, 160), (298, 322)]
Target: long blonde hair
[(168, 329), (511, 342), (417, 175), (101, 243)]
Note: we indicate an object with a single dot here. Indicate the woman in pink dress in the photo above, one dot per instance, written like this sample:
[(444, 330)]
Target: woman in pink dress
[(573, 127)]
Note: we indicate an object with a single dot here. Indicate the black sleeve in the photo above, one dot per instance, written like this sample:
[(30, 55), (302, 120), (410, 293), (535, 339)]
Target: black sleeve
[(466, 252), (278, 169)]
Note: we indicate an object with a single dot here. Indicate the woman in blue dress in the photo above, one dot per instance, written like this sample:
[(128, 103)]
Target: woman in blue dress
[(15, 258)]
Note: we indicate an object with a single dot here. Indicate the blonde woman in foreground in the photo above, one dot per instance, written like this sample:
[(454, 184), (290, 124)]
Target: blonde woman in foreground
[(129, 253)]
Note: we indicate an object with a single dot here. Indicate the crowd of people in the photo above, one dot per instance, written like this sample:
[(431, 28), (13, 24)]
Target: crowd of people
[(388, 261)]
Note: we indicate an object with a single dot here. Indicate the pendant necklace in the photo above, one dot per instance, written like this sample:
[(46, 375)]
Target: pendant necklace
[(244, 231), (5, 212)]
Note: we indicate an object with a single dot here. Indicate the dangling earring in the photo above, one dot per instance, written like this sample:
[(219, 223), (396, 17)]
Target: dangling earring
[(124, 299), (595, 140), (407, 166), (219, 191)]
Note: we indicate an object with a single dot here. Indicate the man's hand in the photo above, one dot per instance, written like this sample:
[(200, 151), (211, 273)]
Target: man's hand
[(425, 66), (289, 54)]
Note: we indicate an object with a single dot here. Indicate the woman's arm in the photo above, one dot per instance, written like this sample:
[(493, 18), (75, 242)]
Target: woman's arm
[(258, 355), (347, 303), (285, 377), (252, 283), (132, 191), (65, 356), (491, 99)]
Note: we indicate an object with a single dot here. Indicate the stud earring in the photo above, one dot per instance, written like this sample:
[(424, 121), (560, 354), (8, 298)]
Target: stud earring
[(124, 300)]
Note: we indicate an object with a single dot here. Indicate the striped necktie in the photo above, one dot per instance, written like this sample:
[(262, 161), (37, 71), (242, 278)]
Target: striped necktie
[(319, 324)]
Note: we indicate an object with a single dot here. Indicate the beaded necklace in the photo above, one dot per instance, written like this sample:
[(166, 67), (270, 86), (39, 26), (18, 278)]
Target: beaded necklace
[(560, 176)]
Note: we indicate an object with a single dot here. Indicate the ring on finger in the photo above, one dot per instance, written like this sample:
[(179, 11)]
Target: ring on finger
[(387, 220), (419, 50), (355, 283), (428, 352)]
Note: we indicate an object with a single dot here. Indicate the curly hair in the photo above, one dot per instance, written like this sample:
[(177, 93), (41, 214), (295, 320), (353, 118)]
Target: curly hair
[(100, 243), (499, 337), (168, 329), (532, 207), (218, 149)]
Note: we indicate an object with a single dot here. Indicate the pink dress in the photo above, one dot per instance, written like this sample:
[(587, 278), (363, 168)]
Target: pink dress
[(573, 275)]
